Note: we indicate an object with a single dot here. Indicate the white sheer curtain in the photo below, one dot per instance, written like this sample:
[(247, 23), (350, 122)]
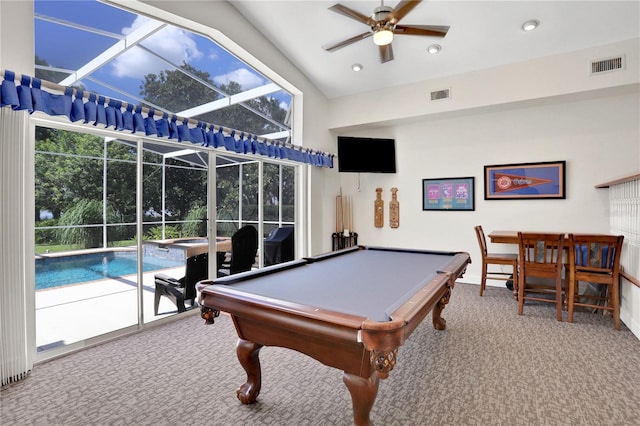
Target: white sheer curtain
[(17, 270)]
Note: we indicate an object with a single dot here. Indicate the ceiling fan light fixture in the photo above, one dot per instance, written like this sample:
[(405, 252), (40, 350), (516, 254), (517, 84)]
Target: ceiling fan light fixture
[(434, 48), (383, 37), (530, 25)]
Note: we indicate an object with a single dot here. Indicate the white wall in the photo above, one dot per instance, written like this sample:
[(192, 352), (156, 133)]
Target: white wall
[(16, 36), (598, 138), (542, 110), (541, 78)]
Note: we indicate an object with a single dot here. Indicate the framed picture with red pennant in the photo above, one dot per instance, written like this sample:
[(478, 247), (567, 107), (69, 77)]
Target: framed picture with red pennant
[(526, 180)]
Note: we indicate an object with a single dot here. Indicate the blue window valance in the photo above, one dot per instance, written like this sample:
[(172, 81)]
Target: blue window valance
[(93, 109)]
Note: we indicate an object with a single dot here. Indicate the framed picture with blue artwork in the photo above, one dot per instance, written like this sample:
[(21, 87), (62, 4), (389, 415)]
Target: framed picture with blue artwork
[(455, 194), (525, 181)]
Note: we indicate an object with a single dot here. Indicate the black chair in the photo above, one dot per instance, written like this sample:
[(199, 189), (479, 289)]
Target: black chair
[(279, 246), (244, 246), (183, 289)]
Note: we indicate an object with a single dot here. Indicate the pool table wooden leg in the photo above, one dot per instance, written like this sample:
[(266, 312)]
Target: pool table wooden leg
[(363, 395), (440, 323), (247, 353)]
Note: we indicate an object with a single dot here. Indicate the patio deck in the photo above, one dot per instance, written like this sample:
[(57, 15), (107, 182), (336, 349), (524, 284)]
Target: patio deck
[(77, 312)]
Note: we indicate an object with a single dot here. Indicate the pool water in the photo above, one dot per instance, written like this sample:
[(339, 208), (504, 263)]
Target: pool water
[(58, 271)]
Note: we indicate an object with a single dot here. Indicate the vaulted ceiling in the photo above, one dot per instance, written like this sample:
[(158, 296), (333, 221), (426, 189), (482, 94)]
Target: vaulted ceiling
[(482, 34)]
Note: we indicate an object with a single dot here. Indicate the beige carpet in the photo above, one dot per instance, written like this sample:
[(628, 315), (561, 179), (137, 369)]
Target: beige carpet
[(489, 367)]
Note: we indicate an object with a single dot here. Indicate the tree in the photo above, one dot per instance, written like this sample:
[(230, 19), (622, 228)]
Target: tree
[(85, 212), (48, 74), (239, 118), (69, 167), (62, 180), (176, 90)]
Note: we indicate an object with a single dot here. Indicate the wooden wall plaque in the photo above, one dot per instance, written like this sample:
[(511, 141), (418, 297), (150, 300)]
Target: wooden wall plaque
[(378, 208), (394, 209)]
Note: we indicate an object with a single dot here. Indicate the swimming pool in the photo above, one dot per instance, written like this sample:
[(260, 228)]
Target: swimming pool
[(57, 271)]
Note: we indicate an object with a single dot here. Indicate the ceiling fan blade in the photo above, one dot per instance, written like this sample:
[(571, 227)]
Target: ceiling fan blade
[(386, 53), (401, 9), (350, 13), (422, 30), (343, 43)]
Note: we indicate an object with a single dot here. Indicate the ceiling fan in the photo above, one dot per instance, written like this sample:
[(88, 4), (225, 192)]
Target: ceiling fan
[(384, 24)]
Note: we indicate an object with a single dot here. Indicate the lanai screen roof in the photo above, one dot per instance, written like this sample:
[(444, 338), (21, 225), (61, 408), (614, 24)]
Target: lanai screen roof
[(125, 56)]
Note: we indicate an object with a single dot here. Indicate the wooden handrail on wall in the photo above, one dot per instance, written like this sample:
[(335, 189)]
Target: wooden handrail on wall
[(631, 279), (619, 181)]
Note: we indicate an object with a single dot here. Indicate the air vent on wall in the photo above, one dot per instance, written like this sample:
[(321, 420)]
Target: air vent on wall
[(606, 65), (439, 95)]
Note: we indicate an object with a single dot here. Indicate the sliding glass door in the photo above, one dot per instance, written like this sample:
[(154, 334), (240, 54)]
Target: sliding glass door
[(85, 237), (94, 273)]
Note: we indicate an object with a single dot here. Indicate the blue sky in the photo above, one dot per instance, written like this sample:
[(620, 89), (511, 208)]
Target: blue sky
[(65, 47)]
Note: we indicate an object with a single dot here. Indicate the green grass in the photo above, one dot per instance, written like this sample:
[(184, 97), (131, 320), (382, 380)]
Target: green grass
[(57, 248)]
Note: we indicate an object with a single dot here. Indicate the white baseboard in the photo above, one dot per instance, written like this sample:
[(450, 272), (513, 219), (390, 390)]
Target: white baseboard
[(475, 279)]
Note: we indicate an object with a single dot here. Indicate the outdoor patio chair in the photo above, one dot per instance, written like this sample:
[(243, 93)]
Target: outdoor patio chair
[(183, 289), (244, 246)]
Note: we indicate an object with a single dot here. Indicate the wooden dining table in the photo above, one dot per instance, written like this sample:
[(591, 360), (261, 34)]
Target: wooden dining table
[(504, 237), (511, 237)]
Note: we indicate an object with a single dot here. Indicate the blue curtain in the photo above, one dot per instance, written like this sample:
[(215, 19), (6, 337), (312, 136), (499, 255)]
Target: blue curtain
[(96, 110)]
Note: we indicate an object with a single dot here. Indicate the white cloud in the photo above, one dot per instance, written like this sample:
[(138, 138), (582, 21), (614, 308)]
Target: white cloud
[(213, 55), (243, 76), (172, 43), (284, 105)]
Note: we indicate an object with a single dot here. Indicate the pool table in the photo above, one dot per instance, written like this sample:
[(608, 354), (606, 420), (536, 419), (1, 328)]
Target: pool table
[(350, 309)]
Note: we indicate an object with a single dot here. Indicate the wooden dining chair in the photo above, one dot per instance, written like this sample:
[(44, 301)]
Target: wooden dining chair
[(510, 259), (540, 260), (594, 260)]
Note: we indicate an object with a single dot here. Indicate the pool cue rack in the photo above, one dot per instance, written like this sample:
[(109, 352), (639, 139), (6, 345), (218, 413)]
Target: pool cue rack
[(344, 236), (339, 241)]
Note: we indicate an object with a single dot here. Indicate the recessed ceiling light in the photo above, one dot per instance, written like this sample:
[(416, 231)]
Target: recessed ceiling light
[(434, 48), (530, 25), (357, 67)]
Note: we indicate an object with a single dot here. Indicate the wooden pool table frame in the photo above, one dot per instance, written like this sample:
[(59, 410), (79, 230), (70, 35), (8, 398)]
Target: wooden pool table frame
[(365, 350)]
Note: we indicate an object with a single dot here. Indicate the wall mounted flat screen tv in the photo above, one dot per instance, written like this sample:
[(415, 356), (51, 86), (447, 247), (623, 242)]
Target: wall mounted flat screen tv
[(366, 155)]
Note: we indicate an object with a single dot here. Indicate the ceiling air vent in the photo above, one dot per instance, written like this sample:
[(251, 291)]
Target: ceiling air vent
[(606, 65), (439, 95)]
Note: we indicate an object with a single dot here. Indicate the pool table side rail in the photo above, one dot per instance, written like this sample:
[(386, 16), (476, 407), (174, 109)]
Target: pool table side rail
[(409, 250), (336, 253), (254, 273), (420, 304), (332, 254), (228, 299)]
